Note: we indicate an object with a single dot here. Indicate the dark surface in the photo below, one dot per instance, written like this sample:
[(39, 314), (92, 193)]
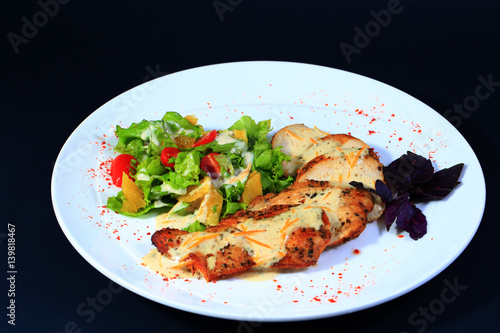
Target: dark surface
[(91, 51)]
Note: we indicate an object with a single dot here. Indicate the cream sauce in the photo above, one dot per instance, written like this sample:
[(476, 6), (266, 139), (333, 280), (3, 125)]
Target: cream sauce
[(328, 200), (258, 275), (322, 147), (162, 265), (263, 239), (296, 140), (174, 220)]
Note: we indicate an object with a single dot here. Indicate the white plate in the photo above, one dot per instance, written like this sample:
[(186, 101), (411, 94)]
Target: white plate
[(389, 120)]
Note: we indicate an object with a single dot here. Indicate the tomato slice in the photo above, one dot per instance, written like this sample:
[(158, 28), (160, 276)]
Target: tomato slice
[(207, 138), (210, 165), (166, 154), (122, 163)]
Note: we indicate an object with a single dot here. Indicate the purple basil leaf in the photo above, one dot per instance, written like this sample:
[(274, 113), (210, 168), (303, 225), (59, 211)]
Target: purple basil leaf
[(407, 216), (418, 227), (423, 169), (409, 169), (383, 191), (441, 184), (393, 209)]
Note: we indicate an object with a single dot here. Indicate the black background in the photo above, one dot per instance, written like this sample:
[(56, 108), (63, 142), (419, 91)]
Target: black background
[(91, 51)]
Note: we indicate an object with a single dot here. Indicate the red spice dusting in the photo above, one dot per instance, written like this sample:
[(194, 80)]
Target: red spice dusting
[(331, 300), (370, 132), (401, 236), (356, 251), (291, 117), (400, 139)]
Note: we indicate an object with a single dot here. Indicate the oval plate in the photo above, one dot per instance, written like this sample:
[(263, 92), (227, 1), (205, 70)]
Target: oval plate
[(374, 268)]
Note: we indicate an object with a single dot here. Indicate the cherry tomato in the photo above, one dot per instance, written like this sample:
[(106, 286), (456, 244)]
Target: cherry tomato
[(167, 154), (210, 165), (122, 163), (207, 138)]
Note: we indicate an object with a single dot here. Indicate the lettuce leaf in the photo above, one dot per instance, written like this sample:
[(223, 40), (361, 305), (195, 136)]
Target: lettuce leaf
[(115, 203), (195, 226), (187, 168), (268, 163), (256, 132), (145, 138), (176, 123)]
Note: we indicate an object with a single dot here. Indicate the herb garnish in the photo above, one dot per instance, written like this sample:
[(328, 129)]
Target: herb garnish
[(410, 179)]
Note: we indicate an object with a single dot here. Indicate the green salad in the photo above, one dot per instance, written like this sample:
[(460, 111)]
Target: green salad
[(175, 162)]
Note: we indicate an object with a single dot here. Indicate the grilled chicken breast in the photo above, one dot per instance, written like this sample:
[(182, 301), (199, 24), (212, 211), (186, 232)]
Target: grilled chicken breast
[(347, 208), (278, 237)]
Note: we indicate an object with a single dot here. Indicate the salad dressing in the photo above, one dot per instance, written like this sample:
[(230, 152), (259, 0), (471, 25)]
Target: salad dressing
[(224, 137), (240, 174)]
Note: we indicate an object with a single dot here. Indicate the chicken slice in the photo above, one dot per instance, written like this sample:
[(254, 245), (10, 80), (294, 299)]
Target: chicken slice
[(295, 140), (347, 208), (303, 144), (280, 237), (344, 166)]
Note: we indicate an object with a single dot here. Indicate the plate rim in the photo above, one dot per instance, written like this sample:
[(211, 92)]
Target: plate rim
[(105, 271)]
